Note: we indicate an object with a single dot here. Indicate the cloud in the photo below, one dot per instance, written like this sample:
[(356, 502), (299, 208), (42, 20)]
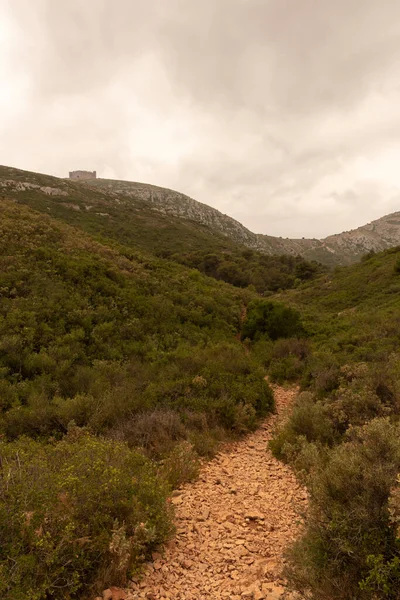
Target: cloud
[(283, 114)]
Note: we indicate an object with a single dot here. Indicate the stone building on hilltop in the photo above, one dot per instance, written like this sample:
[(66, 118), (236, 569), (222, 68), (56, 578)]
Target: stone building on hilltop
[(82, 175)]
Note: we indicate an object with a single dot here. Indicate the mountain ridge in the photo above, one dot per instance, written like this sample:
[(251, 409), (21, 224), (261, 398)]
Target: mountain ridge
[(339, 249), (342, 248)]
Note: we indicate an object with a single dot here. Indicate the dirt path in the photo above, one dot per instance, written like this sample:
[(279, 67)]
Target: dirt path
[(233, 524)]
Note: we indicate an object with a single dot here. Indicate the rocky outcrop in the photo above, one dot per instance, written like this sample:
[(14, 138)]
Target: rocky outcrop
[(9, 185), (342, 248)]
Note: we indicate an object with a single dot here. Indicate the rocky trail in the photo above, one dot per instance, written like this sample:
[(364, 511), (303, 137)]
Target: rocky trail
[(233, 525)]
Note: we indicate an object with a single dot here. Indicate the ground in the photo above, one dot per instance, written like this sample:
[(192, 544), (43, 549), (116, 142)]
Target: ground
[(233, 525)]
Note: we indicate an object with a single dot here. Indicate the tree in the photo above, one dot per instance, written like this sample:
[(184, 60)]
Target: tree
[(271, 320)]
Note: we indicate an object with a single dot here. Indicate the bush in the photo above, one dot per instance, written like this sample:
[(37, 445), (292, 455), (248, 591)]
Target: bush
[(263, 351), (206, 443), (76, 513), (322, 373), (291, 347), (156, 432), (289, 368), (271, 320), (355, 405), (309, 421), (350, 547), (289, 360), (181, 465)]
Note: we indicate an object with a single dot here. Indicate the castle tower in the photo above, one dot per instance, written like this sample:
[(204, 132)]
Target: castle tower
[(82, 175)]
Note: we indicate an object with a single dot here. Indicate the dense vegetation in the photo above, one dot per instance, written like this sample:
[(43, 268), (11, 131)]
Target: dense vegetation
[(134, 223), (80, 510), (124, 355), (343, 437), (101, 343), (267, 320), (243, 268)]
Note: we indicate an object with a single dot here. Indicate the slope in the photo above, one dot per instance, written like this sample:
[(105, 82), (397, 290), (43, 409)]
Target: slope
[(132, 220), (76, 312), (342, 248), (161, 218), (343, 436), (110, 358)]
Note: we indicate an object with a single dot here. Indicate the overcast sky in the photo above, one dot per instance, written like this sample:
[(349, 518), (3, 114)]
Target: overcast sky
[(284, 114)]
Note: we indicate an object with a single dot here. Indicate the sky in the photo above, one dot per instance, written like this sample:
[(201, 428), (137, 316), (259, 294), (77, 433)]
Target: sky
[(284, 114)]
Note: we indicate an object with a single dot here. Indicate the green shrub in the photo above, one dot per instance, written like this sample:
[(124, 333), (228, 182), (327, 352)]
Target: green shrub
[(297, 347), (181, 465), (355, 405), (322, 373), (309, 421), (156, 432), (288, 360), (289, 368), (271, 320), (206, 443), (350, 548), (262, 350), (81, 512)]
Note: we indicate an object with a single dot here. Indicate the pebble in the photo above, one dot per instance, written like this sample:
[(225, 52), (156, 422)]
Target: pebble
[(234, 523)]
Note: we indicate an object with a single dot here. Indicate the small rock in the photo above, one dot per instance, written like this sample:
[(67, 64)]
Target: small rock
[(187, 563), (156, 556), (204, 515), (177, 500), (253, 515), (114, 593)]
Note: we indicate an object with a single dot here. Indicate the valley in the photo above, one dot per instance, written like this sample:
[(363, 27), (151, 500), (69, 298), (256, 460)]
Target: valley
[(137, 328)]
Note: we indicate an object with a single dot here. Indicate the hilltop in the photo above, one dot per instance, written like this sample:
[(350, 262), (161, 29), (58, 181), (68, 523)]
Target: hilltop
[(105, 199), (132, 220), (339, 249)]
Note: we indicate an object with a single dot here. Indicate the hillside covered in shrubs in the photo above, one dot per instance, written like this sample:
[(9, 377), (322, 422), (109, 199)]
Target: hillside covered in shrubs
[(130, 220), (119, 370), (131, 345), (343, 437), (110, 359)]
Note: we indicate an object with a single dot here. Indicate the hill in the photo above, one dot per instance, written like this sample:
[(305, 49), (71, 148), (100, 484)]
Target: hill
[(75, 310), (184, 218), (133, 221), (110, 359), (343, 437), (121, 364), (339, 249)]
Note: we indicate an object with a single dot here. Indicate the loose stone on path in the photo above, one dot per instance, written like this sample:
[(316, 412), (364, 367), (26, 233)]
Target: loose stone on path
[(233, 525)]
